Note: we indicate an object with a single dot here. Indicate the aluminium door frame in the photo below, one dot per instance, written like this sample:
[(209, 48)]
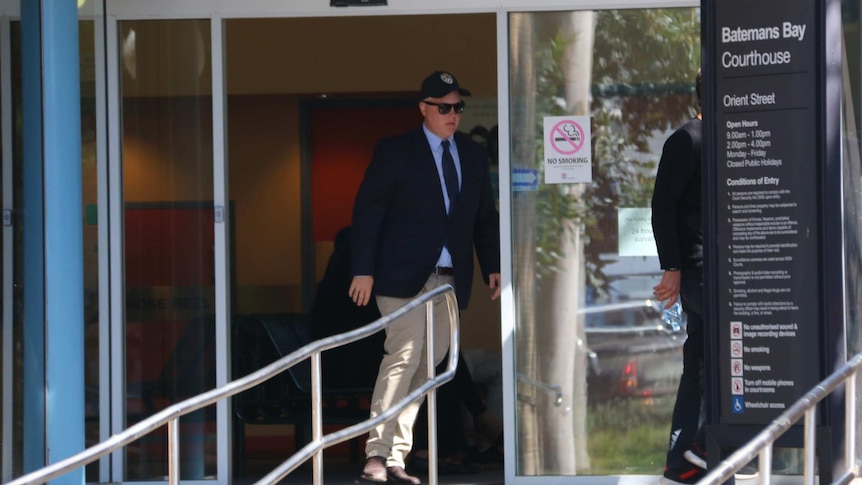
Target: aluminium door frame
[(110, 199), (249, 9), (220, 230)]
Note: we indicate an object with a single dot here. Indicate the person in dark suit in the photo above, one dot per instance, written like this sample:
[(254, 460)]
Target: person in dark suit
[(424, 204), (333, 312)]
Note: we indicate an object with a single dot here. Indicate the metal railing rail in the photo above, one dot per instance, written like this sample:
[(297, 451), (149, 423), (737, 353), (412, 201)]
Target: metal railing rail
[(806, 406), (555, 389), (170, 415)]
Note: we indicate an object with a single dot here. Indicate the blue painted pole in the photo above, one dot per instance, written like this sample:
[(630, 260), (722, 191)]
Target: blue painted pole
[(64, 255)]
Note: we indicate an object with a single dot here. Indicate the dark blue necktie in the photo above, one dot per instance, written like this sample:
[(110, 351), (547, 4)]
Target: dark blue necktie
[(450, 174)]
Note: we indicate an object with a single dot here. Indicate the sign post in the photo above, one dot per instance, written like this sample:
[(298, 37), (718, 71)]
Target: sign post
[(771, 266)]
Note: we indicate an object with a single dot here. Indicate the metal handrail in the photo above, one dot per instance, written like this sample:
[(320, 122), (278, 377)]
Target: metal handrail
[(761, 444), (170, 415), (556, 389)]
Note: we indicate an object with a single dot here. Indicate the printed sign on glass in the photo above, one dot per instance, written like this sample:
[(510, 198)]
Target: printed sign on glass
[(568, 156)]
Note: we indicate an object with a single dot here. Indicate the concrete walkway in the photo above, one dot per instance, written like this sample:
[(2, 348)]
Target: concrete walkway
[(338, 472)]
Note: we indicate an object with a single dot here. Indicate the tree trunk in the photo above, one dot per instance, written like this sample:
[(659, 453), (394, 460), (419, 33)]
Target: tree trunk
[(561, 338), (523, 87)]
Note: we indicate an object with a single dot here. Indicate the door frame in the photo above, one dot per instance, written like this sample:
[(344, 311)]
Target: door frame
[(110, 185)]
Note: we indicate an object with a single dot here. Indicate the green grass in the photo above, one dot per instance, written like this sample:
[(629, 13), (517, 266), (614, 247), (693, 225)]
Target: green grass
[(628, 436)]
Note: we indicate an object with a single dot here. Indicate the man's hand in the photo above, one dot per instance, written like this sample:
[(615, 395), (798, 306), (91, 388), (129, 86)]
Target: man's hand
[(360, 289), (668, 288), (494, 284)]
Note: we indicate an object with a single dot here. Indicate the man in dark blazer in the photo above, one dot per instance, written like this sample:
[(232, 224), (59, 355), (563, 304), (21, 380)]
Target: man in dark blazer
[(423, 206)]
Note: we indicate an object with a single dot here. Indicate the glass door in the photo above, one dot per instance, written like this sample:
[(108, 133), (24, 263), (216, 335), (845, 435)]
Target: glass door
[(301, 132), (592, 96), (168, 214)]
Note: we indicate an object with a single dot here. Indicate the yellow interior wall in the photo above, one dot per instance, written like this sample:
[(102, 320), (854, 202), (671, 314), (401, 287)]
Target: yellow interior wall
[(263, 149), (359, 54), (264, 170), (167, 149), (309, 55)]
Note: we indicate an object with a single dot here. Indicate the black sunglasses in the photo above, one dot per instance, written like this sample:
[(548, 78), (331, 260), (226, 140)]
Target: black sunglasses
[(445, 108)]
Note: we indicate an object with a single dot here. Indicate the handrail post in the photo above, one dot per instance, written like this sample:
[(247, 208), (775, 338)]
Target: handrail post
[(174, 451), (316, 417), (850, 422), (766, 465), (431, 397), (810, 446)]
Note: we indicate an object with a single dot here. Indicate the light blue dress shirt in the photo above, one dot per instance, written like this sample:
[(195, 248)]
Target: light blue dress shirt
[(436, 144)]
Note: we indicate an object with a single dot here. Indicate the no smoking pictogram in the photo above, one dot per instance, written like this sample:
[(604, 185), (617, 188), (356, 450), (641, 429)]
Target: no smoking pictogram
[(567, 137)]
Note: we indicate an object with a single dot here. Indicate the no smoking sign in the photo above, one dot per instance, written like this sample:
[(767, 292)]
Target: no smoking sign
[(568, 157)]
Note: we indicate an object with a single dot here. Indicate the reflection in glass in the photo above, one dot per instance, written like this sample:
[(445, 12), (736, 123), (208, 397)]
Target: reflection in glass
[(596, 370), (87, 68), (2, 264), (18, 253), (169, 238), (852, 177)]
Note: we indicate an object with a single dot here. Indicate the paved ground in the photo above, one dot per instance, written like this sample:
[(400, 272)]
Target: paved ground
[(346, 473), (350, 476)]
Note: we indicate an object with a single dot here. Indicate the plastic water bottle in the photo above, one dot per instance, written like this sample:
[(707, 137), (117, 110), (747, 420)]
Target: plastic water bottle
[(672, 316)]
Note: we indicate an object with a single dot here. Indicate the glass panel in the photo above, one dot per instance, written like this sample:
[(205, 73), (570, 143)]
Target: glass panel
[(168, 234), (852, 123), (87, 66), (596, 369), (18, 256)]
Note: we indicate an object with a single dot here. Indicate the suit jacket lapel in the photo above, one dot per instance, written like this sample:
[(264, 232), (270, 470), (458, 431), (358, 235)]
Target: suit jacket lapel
[(468, 178)]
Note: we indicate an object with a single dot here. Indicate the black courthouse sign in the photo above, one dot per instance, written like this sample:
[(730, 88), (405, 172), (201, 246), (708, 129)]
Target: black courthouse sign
[(774, 283), (766, 164)]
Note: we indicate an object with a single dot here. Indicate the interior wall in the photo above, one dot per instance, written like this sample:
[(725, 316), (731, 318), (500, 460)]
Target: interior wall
[(359, 54), (167, 149), (312, 55), (264, 177)]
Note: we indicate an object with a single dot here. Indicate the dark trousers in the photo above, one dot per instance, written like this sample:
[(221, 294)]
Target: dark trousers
[(688, 411)]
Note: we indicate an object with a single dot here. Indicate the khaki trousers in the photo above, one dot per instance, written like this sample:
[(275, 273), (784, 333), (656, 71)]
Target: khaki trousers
[(403, 369)]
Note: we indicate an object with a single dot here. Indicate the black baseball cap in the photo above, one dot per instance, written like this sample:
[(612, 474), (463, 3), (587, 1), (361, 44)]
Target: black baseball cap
[(439, 84)]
